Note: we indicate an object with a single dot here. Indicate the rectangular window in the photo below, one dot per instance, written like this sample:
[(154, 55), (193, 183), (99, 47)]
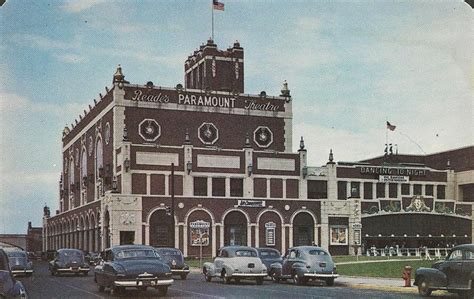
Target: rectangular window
[(380, 190), (392, 190), (200, 186), (260, 187), (317, 189), (429, 190), (218, 186), (341, 190), (405, 189), (441, 191), (355, 189), (416, 189), (368, 191), (236, 187)]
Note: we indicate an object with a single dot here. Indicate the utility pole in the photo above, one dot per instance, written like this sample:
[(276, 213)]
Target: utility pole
[(172, 204)]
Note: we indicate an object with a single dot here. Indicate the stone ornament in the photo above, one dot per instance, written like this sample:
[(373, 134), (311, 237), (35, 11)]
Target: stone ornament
[(263, 136), (127, 218), (149, 130), (208, 133)]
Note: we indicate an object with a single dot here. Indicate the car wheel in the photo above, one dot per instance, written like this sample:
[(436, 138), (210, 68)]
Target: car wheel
[(142, 289), (259, 280), (424, 287), (297, 280), (208, 277), (329, 282), (101, 288), (163, 290), (86, 273), (183, 276), (275, 277), (226, 279), (115, 290)]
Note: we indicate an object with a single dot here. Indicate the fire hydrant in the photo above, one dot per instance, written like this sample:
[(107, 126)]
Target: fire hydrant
[(407, 276)]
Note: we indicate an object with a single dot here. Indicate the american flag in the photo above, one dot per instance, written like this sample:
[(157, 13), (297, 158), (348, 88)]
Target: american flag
[(217, 5), (390, 126)]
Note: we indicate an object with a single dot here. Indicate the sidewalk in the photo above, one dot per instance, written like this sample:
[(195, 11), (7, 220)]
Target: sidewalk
[(386, 284)]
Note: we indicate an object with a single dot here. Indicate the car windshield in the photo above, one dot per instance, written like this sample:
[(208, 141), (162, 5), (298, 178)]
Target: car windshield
[(134, 253), (269, 254), (168, 252), (321, 254), (71, 255), (245, 253), (16, 254)]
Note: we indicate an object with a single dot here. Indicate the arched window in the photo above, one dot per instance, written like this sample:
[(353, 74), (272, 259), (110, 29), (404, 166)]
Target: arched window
[(83, 174), (99, 160)]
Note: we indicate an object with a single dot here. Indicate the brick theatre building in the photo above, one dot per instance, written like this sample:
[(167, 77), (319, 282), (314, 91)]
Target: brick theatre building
[(206, 164)]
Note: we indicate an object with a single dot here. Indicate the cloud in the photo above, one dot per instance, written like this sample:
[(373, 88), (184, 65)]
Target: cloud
[(79, 6), (71, 58)]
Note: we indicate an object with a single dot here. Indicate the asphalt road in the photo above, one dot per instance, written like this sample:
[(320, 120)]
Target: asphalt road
[(43, 285)]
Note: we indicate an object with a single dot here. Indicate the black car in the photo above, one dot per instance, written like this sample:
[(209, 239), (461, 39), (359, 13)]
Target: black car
[(455, 274), (135, 266), (19, 262), (174, 258), (303, 263), (9, 287), (92, 258), (269, 256), (68, 260)]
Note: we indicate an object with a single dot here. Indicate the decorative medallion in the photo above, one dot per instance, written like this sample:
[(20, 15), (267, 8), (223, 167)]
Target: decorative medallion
[(127, 218), (417, 205), (149, 130), (107, 133), (263, 137), (208, 133), (91, 145)]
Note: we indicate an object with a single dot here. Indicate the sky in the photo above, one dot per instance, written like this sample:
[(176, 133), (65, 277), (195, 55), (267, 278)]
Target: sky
[(350, 66)]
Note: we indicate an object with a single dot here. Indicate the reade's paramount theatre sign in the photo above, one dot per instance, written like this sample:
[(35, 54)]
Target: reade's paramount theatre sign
[(202, 99)]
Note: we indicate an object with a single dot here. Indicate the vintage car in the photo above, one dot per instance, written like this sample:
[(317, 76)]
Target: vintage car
[(174, 258), (9, 286), (236, 262), (92, 258), (68, 260), (134, 266), (19, 262), (269, 256), (304, 263), (455, 274)]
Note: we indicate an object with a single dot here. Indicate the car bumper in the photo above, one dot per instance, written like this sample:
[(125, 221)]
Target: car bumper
[(249, 274), (321, 275), (19, 272), (143, 282), (73, 270), (179, 271)]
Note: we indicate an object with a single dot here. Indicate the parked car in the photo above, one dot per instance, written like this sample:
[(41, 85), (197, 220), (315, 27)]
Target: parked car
[(68, 260), (174, 258), (137, 266), (9, 286), (19, 262), (304, 263), (269, 256), (455, 274), (236, 262), (92, 258)]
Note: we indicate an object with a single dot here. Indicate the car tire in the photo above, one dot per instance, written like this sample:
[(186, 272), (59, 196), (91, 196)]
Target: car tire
[(208, 277), (275, 277), (183, 276), (115, 290), (259, 280), (162, 290), (101, 288), (297, 280), (330, 282), (237, 280), (424, 287)]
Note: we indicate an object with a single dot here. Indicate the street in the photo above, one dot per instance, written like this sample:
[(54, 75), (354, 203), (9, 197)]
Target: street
[(43, 285)]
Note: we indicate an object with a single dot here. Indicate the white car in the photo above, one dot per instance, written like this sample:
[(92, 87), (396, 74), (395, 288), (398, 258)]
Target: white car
[(236, 262)]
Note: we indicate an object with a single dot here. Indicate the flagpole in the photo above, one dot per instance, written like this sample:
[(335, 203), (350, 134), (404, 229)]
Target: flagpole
[(212, 13)]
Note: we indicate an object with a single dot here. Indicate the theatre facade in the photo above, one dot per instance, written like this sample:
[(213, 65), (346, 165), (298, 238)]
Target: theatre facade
[(205, 165)]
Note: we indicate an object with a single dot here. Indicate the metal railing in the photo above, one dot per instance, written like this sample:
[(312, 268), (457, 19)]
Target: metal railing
[(422, 253)]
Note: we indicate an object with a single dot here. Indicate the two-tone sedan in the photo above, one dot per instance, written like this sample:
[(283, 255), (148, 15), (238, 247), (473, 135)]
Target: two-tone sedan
[(70, 261), (19, 262), (174, 258), (304, 263), (133, 266), (236, 262)]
